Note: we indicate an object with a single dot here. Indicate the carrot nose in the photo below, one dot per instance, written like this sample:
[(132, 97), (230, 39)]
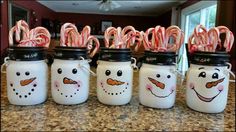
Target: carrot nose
[(68, 81), (114, 82), (214, 83), (157, 83), (27, 81)]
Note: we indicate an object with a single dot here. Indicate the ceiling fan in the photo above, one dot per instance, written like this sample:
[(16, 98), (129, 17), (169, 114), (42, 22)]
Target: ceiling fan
[(107, 5)]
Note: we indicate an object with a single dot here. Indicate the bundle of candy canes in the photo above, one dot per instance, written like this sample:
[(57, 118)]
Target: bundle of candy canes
[(72, 38), (122, 38), (37, 37), (208, 41), (163, 40)]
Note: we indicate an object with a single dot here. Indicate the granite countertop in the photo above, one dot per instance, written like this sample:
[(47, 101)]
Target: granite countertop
[(95, 116)]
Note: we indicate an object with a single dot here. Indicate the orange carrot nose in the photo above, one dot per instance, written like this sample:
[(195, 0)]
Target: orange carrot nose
[(114, 82), (68, 81), (214, 83), (157, 83), (27, 81)]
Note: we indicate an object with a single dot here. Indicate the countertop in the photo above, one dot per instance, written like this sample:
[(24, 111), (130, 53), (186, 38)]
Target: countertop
[(94, 116)]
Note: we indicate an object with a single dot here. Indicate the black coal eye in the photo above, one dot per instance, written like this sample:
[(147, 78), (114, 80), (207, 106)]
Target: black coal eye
[(108, 72), (158, 75), (202, 74), (119, 73), (18, 73), (168, 76), (74, 71), (59, 71), (215, 76), (27, 73)]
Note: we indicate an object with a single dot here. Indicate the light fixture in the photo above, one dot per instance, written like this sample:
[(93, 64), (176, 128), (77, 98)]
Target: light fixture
[(107, 5)]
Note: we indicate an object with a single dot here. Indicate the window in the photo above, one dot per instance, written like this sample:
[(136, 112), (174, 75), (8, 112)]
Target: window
[(203, 12)]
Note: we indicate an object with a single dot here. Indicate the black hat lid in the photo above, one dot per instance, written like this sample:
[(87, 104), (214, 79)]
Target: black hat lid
[(26, 53), (70, 53), (115, 55), (209, 58), (159, 58)]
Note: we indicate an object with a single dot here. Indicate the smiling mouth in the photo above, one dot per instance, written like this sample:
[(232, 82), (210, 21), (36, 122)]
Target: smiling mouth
[(121, 91), (161, 96), (205, 99)]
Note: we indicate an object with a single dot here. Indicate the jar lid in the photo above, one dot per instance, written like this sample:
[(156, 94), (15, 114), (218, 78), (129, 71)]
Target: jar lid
[(159, 58), (115, 55), (26, 53), (210, 58), (70, 53)]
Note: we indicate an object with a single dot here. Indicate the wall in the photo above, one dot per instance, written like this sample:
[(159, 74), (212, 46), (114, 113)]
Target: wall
[(138, 22)]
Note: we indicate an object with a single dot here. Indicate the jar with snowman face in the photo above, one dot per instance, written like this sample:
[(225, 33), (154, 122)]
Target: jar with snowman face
[(157, 80), (70, 75), (27, 75), (207, 82), (114, 76)]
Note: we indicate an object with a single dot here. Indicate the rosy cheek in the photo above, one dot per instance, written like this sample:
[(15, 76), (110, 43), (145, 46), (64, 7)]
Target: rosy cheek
[(149, 87), (56, 84), (34, 84), (220, 87), (78, 85), (172, 88), (191, 85)]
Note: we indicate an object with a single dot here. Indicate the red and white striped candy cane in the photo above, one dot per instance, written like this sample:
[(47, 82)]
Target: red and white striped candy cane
[(109, 32), (64, 32), (90, 41)]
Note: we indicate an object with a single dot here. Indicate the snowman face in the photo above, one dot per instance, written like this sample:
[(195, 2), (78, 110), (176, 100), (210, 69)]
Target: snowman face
[(65, 82), (161, 85), (114, 82), (207, 84), (24, 84)]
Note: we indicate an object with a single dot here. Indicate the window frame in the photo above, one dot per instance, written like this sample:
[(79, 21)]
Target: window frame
[(191, 9)]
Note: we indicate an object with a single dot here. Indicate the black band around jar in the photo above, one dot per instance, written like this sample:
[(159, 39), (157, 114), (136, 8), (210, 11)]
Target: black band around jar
[(159, 58), (26, 53), (115, 55), (70, 53), (209, 58)]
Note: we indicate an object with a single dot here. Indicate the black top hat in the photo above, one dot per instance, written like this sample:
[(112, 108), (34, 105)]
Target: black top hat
[(159, 58), (115, 55), (209, 58), (26, 53), (70, 53)]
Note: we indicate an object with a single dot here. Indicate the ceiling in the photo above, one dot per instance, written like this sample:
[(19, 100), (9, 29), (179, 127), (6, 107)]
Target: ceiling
[(138, 8)]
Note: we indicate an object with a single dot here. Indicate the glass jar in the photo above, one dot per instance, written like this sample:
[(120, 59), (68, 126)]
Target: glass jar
[(27, 75), (114, 76), (70, 75), (207, 82), (157, 80)]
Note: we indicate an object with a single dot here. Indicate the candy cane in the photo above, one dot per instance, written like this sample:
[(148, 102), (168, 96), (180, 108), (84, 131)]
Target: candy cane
[(90, 46), (64, 32), (84, 35)]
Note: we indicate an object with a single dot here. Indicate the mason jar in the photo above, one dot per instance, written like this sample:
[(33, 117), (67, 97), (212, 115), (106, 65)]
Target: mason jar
[(207, 82), (70, 75), (114, 76), (27, 75), (157, 80)]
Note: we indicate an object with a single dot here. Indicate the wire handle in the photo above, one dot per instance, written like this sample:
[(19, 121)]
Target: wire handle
[(82, 66), (228, 72), (6, 63), (134, 64), (178, 72)]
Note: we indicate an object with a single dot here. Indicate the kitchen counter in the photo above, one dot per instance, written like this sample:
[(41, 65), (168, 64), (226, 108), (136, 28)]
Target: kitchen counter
[(95, 116)]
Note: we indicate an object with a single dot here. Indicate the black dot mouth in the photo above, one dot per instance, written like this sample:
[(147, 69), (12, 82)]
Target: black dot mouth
[(114, 93), (22, 95), (68, 95), (205, 99), (172, 91)]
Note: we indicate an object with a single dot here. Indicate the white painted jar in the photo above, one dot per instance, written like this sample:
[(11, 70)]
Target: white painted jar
[(70, 75), (114, 76), (207, 82), (157, 80), (27, 75)]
